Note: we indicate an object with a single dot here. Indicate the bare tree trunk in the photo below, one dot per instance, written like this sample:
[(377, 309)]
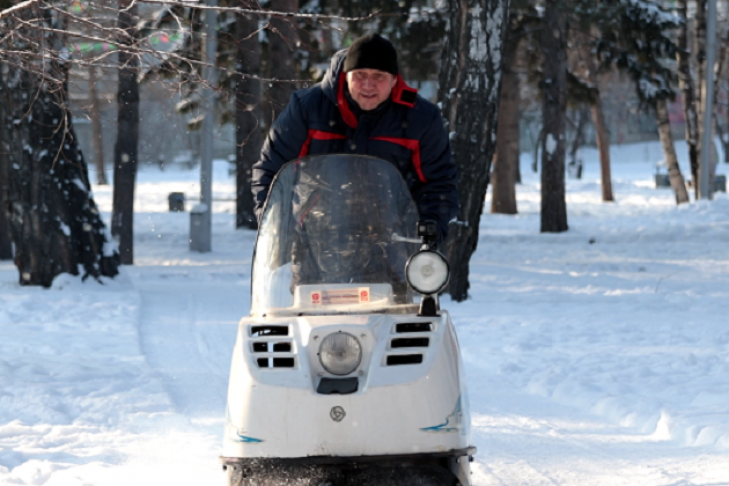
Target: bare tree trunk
[(6, 248), (282, 47), (578, 142), (506, 159), (55, 224), (248, 116), (720, 65), (97, 141), (598, 120), (537, 148), (719, 71), (700, 68), (6, 245), (688, 91), (701, 95), (603, 146), (721, 130), (554, 107), (127, 139), (669, 152), (470, 80)]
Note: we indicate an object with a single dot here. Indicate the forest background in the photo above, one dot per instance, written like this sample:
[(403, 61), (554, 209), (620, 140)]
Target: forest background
[(92, 89)]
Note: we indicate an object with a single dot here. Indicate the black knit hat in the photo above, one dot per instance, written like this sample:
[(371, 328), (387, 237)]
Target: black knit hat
[(372, 51)]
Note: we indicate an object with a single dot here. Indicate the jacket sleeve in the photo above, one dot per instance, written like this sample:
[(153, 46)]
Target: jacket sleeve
[(437, 197), (283, 144)]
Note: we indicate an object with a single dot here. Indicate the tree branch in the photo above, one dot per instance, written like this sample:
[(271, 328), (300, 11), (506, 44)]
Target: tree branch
[(259, 12), (17, 8)]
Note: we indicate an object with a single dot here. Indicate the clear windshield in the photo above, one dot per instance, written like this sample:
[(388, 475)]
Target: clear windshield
[(333, 237)]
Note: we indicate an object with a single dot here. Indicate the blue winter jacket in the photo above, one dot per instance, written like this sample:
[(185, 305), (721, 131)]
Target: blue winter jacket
[(406, 130)]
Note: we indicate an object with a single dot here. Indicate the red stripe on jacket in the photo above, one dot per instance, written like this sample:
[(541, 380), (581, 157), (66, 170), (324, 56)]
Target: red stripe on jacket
[(319, 135), (410, 144), (344, 109), (401, 89)]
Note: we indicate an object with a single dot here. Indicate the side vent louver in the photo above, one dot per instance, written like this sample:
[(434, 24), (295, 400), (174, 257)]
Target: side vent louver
[(272, 351), (261, 347), (405, 342), (403, 327), (276, 362), (281, 347), (418, 342), (261, 331), (404, 359), (271, 347)]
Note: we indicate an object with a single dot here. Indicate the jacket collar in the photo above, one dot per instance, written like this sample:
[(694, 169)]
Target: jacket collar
[(334, 87)]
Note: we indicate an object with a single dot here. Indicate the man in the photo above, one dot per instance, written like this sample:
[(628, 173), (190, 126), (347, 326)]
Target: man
[(363, 106)]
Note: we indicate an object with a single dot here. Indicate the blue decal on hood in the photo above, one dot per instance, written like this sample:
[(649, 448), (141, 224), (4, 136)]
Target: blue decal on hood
[(453, 423), (234, 435), (243, 438)]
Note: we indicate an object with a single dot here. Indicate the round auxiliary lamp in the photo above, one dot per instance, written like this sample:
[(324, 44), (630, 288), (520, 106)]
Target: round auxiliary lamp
[(427, 271)]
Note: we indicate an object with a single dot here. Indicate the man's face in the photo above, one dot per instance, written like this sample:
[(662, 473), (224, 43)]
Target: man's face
[(370, 87)]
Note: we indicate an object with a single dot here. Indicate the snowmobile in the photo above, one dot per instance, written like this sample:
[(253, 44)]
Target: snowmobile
[(347, 372)]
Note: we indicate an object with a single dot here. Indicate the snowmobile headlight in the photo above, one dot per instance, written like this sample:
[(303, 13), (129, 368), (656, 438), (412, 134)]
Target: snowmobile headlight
[(427, 272), (340, 353)]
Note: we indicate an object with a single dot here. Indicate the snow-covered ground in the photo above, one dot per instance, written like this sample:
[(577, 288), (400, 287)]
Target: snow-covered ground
[(598, 356)]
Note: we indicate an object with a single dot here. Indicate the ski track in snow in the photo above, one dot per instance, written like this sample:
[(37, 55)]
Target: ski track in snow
[(598, 356)]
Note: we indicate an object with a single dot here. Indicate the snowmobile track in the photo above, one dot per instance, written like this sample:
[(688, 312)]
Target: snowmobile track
[(270, 474)]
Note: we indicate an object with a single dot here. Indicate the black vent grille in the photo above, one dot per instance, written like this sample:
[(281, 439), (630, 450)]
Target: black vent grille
[(269, 350), (404, 359), (415, 342), (281, 347), (271, 347), (265, 331), (288, 362), (404, 327)]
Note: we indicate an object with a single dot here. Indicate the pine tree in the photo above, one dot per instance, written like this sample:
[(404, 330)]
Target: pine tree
[(55, 224), (636, 36)]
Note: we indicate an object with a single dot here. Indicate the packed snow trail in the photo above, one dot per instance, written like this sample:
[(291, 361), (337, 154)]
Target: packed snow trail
[(186, 335), (79, 403), (599, 356)]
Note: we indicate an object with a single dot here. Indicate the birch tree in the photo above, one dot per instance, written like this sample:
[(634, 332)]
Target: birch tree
[(470, 81), (688, 91), (97, 140), (669, 151)]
